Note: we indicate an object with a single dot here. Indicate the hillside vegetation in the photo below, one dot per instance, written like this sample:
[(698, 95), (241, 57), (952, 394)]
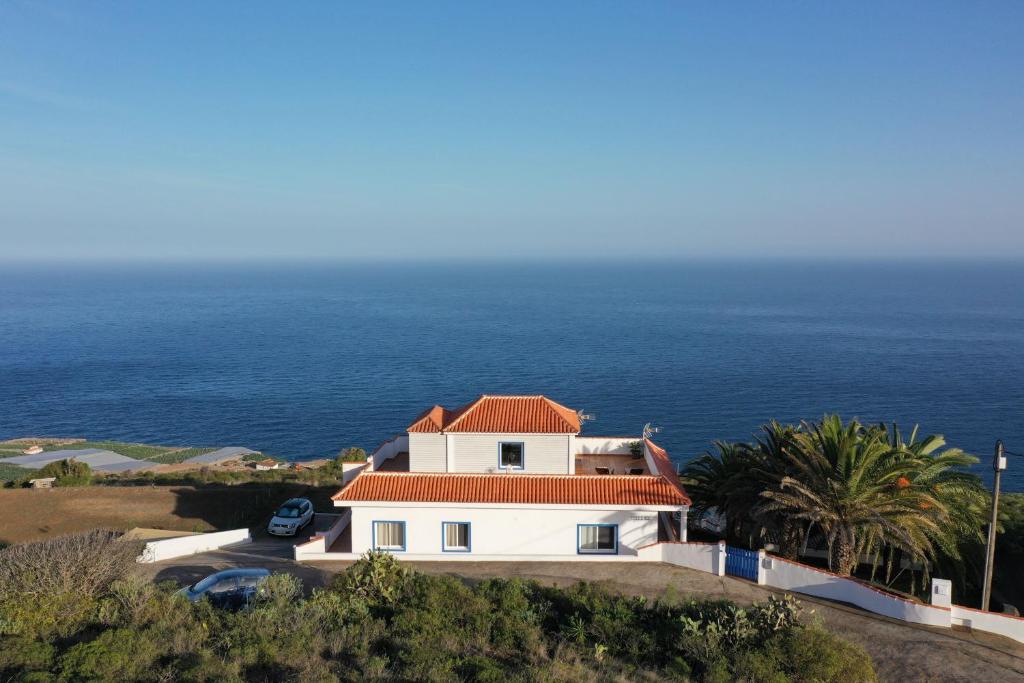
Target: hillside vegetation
[(71, 609)]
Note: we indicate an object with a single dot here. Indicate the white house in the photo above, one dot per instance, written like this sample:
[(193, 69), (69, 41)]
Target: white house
[(510, 477)]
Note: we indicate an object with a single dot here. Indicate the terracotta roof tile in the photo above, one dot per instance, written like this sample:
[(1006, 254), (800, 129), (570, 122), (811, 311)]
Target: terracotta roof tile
[(523, 489), (501, 414), (664, 466)]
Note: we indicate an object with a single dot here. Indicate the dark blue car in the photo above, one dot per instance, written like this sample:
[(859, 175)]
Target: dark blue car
[(229, 589)]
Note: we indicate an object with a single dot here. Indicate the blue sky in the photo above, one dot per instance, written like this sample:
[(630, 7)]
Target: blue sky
[(198, 130)]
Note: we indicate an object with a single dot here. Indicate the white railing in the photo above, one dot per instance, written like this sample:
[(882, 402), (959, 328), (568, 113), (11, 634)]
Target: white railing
[(183, 546)]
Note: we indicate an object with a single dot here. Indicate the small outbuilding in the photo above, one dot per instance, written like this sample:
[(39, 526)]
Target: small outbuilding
[(268, 464)]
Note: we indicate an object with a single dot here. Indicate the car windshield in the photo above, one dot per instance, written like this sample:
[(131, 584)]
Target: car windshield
[(289, 512), (205, 584)]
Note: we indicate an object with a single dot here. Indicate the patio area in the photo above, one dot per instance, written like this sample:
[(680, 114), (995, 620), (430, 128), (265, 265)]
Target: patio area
[(610, 463)]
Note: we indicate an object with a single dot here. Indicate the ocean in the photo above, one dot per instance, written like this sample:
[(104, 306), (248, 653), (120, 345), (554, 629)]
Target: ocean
[(301, 360)]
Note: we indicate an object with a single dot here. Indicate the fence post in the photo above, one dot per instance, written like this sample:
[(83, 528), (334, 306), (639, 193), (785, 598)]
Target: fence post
[(762, 577), (720, 566)]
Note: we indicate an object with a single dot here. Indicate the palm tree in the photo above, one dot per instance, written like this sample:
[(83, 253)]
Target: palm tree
[(712, 480), (858, 488), (961, 499), (768, 465)]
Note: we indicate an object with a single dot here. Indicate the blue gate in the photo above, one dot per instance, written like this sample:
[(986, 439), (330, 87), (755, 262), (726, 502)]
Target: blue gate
[(742, 563)]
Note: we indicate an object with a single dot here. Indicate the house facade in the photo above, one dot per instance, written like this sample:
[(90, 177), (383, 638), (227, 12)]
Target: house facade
[(511, 477)]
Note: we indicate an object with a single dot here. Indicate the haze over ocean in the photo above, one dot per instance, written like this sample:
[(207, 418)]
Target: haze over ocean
[(301, 360)]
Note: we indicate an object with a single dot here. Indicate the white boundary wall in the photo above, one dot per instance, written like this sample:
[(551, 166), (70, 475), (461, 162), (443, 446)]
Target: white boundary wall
[(990, 622), (799, 578), (389, 449), (190, 545), (704, 557)]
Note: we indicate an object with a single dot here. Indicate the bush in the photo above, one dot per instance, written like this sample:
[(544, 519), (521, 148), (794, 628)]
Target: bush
[(377, 578), (53, 586), (67, 472), (381, 621), (352, 455)]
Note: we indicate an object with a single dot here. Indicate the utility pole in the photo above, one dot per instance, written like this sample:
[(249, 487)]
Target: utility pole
[(998, 464)]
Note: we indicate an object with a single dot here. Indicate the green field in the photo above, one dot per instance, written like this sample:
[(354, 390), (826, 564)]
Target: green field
[(139, 451), (10, 472), (175, 456)]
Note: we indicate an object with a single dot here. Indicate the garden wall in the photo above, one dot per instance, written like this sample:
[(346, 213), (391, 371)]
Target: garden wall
[(190, 545)]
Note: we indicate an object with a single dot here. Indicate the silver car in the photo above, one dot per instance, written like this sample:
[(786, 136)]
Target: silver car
[(295, 515)]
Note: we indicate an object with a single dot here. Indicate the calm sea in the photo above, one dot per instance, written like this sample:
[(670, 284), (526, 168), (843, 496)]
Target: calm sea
[(302, 360)]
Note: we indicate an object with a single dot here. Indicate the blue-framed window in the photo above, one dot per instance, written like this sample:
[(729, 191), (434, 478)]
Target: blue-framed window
[(389, 535), (597, 539), (456, 537), (511, 455)]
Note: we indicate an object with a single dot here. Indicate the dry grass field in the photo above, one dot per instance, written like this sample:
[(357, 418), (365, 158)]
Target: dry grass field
[(29, 514)]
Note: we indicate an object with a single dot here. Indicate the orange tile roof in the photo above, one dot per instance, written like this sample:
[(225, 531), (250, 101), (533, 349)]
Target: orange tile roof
[(521, 489), (501, 414), (664, 464)]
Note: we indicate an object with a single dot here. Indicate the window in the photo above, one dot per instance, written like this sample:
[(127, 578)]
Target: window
[(598, 538), (455, 537), (389, 535), (511, 455)]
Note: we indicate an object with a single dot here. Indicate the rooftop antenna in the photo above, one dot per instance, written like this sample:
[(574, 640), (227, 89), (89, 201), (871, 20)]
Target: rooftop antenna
[(650, 430), (585, 417)]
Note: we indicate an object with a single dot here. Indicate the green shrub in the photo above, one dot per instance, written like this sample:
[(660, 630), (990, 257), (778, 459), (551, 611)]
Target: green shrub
[(380, 621), (68, 473), (377, 577), (54, 586), (115, 655), (813, 654), (353, 454)]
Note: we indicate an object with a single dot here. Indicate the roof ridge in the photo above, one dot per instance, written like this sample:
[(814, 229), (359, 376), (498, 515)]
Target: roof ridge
[(502, 473)]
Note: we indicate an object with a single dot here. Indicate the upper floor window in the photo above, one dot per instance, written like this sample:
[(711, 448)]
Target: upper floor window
[(511, 454)]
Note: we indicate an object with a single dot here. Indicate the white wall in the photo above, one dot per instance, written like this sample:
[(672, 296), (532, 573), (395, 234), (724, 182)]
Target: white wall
[(389, 449), (427, 452), (322, 540), (191, 545), (543, 453), (618, 445), (799, 578), (1002, 624), (504, 533), (349, 470), (704, 557)]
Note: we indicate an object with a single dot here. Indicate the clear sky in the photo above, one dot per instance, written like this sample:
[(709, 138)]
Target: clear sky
[(258, 130)]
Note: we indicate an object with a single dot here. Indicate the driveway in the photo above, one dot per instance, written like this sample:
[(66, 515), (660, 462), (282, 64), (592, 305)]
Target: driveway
[(902, 652)]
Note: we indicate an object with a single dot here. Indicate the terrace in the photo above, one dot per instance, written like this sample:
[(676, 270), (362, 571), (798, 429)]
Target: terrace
[(595, 455)]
